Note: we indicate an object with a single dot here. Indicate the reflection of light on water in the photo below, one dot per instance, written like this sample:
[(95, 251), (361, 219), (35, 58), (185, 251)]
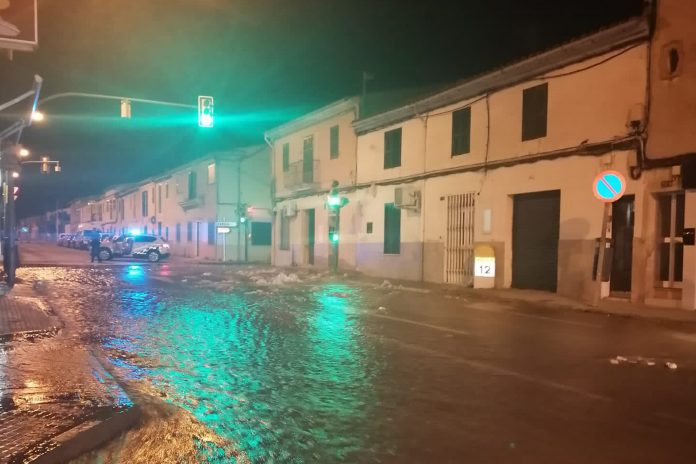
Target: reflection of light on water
[(30, 383), (3, 366), (31, 395), (134, 273)]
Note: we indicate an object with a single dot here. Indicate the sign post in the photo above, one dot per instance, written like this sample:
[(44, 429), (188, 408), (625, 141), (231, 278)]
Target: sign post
[(224, 228), (608, 186)]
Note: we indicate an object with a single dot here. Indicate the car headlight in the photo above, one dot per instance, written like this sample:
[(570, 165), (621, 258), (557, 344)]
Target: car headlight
[(165, 246)]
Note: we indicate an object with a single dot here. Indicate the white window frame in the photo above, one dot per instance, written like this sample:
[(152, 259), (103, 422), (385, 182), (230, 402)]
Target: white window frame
[(211, 173)]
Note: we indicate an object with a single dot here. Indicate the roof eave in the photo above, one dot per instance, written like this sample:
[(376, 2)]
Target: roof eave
[(322, 114), (621, 35)]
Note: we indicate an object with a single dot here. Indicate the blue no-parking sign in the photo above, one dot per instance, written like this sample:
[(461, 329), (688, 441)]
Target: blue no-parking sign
[(609, 186)]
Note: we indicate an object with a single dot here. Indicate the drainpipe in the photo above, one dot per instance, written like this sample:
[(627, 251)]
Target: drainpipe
[(273, 180), (239, 209)]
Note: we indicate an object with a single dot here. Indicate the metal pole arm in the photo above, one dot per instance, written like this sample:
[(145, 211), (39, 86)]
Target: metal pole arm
[(40, 162), (110, 97)]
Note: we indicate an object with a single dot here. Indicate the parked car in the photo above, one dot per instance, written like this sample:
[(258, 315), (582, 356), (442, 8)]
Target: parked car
[(140, 246), (70, 241), (112, 247), (62, 239), (83, 238)]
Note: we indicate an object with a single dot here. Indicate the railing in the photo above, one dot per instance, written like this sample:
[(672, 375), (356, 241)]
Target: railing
[(301, 175), (191, 203)]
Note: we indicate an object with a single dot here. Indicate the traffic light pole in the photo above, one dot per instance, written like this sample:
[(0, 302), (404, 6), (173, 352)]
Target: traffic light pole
[(334, 228), (9, 237)]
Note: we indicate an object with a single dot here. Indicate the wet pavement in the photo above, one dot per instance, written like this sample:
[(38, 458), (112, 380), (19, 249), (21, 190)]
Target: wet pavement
[(254, 365), (51, 388)]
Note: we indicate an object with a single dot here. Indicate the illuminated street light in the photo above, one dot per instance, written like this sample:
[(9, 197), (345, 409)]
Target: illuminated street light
[(37, 116), (23, 152), (15, 174)]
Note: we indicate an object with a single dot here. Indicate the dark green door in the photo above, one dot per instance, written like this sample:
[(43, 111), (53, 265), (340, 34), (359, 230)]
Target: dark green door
[(622, 220), (310, 236)]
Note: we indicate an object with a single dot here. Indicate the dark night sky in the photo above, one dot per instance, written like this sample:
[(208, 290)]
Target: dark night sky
[(264, 61)]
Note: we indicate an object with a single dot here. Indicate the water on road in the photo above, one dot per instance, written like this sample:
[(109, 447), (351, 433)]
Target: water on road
[(264, 374), (234, 365)]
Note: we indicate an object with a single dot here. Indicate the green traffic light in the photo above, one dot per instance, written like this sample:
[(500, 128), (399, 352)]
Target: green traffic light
[(334, 200), (205, 111), (334, 237)]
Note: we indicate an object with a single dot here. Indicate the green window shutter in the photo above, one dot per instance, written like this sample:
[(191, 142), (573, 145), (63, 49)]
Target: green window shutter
[(334, 142), (211, 233), (392, 148), (461, 131), (534, 112), (392, 229), (261, 233), (286, 157)]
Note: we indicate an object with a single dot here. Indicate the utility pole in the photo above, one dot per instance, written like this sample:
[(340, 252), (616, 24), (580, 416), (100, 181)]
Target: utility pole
[(334, 203), (57, 221)]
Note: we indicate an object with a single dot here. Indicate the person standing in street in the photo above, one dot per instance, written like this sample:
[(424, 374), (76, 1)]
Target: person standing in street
[(95, 245)]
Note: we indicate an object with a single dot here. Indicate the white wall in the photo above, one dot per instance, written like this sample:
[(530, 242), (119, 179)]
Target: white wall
[(342, 168)]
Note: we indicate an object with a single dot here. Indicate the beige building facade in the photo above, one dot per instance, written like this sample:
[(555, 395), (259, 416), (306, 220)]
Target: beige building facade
[(309, 155), (504, 164)]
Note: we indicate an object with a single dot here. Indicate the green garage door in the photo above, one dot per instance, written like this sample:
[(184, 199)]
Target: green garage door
[(535, 225)]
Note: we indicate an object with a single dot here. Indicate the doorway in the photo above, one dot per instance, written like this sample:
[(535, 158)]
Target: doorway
[(535, 233), (622, 221), (310, 236), (459, 246)]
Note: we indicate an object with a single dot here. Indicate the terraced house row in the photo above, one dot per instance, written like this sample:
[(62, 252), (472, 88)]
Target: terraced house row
[(503, 164), (500, 165), (186, 204)]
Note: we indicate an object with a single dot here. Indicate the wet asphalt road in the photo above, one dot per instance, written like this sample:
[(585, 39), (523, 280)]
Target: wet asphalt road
[(231, 365)]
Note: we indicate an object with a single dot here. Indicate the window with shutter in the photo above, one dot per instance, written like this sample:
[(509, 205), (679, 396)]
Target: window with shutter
[(461, 131), (286, 157), (334, 143), (534, 112), (392, 148)]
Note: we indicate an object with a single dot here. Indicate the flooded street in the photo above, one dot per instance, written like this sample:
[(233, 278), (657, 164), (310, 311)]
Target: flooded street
[(265, 374), (253, 365)]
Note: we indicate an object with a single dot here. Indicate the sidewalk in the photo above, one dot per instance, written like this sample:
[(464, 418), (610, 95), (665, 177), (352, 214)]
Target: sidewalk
[(57, 401), (541, 299), (617, 307)]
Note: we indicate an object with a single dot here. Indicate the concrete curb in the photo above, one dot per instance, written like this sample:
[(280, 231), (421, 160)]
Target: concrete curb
[(88, 436)]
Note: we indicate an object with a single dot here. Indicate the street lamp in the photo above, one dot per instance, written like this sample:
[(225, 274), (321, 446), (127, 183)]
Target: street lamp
[(15, 174), (24, 153), (37, 116)]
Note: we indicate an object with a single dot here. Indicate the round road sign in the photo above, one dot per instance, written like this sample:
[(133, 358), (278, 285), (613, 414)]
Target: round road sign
[(609, 186)]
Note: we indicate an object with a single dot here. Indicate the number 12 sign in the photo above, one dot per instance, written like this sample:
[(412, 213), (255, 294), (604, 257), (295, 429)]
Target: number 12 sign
[(484, 266)]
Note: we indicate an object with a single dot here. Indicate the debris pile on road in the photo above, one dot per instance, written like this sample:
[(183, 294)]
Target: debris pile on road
[(640, 360)]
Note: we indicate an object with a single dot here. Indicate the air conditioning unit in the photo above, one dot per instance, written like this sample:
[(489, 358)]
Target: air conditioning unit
[(291, 210), (406, 197)]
